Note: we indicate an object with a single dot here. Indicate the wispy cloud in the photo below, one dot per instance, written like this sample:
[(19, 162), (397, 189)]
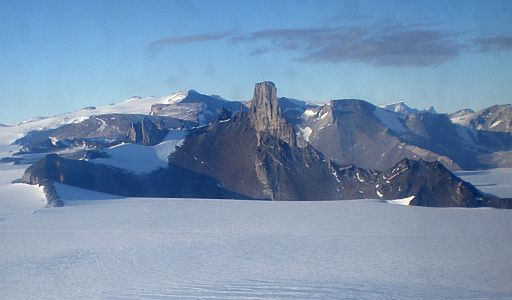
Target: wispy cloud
[(379, 44), (382, 43), (494, 43), (158, 45)]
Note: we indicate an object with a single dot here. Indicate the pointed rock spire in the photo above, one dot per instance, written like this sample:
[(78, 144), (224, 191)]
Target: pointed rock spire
[(266, 115)]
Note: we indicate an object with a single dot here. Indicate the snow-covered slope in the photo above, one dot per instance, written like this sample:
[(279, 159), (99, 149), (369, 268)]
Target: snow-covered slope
[(463, 116), (135, 105), (403, 109), (495, 181), (140, 158), (390, 120), (141, 248)]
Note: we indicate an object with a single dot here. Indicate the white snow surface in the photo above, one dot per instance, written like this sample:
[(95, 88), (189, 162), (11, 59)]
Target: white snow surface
[(404, 201), (390, 120), (496, 123), (306, 132), (463, 117), (496, 181), (143, 159), (402, 108), (101, 246), (309, 113)]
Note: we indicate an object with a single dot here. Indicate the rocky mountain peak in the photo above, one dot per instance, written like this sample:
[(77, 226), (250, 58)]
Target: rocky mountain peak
[(266, 115), (265, 112)]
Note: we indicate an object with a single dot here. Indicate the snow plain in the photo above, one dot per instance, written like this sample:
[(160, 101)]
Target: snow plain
[(105, 247)]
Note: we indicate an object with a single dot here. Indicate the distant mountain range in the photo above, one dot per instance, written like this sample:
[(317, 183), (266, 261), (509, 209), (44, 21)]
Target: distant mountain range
[(195, 145)]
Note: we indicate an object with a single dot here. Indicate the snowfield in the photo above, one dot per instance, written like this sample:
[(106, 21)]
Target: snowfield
[(140, 158), (497, 181), (103, 246)]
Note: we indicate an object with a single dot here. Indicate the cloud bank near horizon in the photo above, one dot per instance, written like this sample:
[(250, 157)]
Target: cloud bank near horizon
[(381, 44)]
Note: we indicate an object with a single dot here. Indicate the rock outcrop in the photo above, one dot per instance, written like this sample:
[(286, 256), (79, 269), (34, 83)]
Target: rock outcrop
[(170, 182), (52, 197), (146, 132), (266, 116), (432, 184)]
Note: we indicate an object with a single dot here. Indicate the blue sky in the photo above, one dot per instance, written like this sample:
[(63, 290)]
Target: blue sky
[(58, 56)]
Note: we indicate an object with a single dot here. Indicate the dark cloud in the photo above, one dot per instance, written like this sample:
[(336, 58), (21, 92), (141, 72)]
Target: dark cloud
[(259, 51), (156, 46), (494, 43), (382, 44)]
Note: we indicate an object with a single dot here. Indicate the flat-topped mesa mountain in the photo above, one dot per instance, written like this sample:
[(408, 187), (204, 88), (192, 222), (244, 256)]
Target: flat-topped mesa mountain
[(257, 154)]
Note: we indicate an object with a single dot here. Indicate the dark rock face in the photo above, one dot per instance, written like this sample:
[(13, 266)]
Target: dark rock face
[(170, 182), (52, 198), (147, 133), (432, 184)]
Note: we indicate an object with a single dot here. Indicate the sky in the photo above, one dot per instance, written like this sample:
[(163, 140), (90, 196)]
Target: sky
[(59, 56)]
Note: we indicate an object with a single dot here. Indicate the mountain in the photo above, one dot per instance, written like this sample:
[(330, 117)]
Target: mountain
[(495, 118), (403, 109), (193, 106), (97, 130), (431, 184), (348, 131), (268, 160), (257, 154), (116, 123), (352, 131)]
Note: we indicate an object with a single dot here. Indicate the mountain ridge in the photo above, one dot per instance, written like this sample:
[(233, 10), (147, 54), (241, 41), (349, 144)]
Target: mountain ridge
[(269, 161)]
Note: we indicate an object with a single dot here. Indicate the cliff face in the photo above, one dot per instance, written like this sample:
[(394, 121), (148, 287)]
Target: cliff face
[(146, 132), (266, 115)]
